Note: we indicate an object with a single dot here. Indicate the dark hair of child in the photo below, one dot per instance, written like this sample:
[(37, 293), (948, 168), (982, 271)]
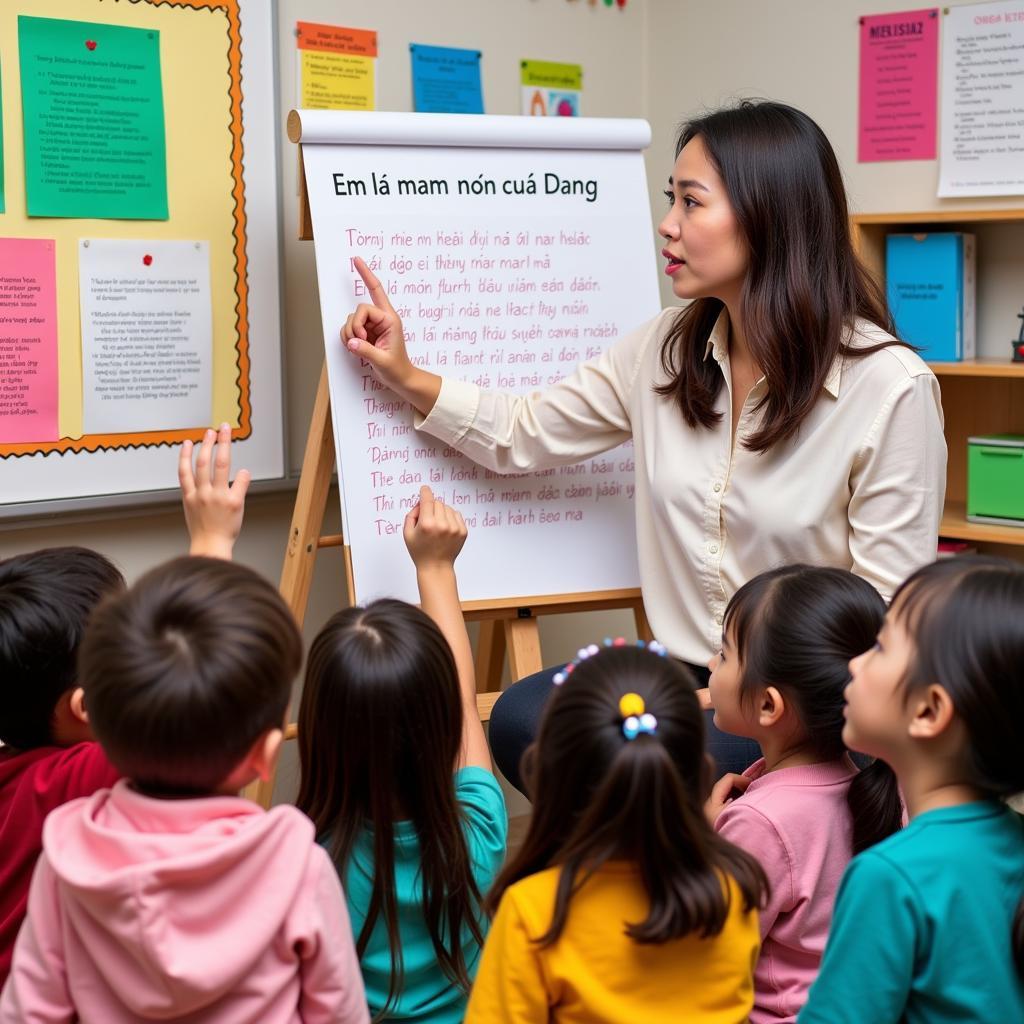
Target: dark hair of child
[(965, 617), (380, 727), (46, 598), (797, 628), (186, 670), (599, 797)]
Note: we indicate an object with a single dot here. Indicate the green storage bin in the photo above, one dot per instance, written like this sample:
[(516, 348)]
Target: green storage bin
[(995, 479)]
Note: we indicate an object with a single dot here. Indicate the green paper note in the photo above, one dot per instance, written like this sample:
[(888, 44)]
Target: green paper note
[(94, 120)]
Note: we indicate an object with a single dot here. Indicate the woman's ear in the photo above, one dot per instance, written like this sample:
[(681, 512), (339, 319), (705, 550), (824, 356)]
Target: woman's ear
[(76, 705), (932, 714), (771, 707)]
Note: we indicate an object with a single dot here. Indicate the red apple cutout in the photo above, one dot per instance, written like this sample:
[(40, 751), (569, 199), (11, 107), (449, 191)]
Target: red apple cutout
[(90, 44), (147, 259)]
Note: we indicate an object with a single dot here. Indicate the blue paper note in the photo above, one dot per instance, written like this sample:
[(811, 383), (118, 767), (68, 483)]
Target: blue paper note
[(446, 80)]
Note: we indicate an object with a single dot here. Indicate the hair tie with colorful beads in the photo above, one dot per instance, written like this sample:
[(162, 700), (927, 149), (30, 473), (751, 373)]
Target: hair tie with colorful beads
[(635, 717), (588, 652)]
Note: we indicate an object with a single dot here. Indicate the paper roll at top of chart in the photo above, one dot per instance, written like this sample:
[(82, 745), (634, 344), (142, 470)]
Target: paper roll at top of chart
[(513, 249)]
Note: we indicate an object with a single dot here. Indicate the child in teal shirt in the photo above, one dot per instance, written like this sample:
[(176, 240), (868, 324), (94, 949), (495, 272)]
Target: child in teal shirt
[(929, 924), (396, 775)]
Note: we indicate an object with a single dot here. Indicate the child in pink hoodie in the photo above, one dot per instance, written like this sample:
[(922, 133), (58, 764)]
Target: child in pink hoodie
[(168, 897)]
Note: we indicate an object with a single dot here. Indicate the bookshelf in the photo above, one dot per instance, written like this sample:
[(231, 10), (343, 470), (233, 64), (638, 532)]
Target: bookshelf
[(979, 396)]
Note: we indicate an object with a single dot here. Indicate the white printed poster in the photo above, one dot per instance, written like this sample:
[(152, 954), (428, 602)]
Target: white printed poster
[(982, 82), (147, 335), (509, 267)]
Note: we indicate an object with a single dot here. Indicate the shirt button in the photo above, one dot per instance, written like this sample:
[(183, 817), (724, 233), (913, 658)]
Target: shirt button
[(718, 487), (713, 548), (718, 619)]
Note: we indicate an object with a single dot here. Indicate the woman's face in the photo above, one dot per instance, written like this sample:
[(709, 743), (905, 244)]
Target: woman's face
[(705, 251)]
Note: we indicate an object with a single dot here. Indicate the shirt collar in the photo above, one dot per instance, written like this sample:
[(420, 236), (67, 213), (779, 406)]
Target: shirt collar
[(718, 346)]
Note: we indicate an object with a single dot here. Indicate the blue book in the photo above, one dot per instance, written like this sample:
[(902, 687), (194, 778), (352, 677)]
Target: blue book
[(930, 285)]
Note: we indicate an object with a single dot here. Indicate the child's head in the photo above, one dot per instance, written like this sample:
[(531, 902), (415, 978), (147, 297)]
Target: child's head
[(188, 675), (46, 598), (787, 639), (944, 679), (380, 727), (609, 784)]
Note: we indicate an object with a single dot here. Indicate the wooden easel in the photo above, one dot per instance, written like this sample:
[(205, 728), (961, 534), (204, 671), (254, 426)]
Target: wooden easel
[(508, 627)]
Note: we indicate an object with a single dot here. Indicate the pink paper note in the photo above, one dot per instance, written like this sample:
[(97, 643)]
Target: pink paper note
[(899, 70), (28, 340)]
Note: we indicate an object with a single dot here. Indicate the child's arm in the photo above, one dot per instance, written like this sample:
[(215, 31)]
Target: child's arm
[(213, 507), (434, 535), (37, 987)]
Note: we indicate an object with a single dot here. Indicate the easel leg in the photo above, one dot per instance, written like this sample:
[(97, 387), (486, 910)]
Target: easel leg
[(490, 656), (522, 636), (304, 533), (643, 627)]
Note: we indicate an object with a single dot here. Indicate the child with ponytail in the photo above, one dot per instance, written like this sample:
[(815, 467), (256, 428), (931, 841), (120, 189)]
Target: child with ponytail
[(804, 809), (623, 904), (397, 778), (929, 924)]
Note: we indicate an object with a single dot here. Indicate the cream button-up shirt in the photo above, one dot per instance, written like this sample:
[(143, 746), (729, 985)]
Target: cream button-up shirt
[(861, 485)]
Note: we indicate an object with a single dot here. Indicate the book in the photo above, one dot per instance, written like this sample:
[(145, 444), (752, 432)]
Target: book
[(931, 285)]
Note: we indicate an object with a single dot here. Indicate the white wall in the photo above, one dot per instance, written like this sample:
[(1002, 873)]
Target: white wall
[(703, 53)]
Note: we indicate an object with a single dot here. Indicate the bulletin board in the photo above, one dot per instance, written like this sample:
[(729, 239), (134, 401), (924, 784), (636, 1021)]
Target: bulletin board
[(216, 78)]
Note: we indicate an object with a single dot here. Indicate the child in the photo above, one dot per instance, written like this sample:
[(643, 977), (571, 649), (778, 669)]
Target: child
[(789, 635), (168, 897), (49, 756), (397, 778), (929, 924), (623, 904)]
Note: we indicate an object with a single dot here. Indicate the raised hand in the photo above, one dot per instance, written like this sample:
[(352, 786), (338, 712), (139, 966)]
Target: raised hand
[(434, 533), (213, 507)]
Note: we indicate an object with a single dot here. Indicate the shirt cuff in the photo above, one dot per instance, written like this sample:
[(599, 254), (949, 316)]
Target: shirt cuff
[(453, 412)]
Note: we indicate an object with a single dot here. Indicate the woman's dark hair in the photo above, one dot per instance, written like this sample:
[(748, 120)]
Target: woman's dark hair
[(965, 617), (598, 797), (186, 670), (796, 628), (46, 598), (805, 285), (380, 728)]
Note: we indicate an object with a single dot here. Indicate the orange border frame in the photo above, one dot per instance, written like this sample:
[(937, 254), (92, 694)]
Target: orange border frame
[(156, 438)]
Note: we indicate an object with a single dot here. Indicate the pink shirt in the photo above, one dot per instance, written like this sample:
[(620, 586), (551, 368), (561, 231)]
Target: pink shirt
[(795, 821), (209, 910)]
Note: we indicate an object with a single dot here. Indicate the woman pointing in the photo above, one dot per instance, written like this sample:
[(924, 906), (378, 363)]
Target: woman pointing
[(775, 418)]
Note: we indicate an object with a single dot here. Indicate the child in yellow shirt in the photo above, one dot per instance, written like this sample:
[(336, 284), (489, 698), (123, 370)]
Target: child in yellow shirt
[(623, 904)]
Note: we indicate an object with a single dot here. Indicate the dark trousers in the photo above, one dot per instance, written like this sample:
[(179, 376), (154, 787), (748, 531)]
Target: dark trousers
[(516, 718)]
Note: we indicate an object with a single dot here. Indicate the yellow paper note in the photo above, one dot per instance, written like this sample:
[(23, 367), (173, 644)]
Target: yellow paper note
[(336, 81)]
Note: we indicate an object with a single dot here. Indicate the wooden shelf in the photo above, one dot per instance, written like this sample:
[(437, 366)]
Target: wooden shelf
[(985, 367), (939, 216), (955, 525)]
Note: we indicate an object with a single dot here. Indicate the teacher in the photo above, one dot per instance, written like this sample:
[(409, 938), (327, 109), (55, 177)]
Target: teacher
[(776, 418)]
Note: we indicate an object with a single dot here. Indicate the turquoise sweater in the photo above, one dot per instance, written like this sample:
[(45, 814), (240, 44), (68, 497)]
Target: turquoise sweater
[(921, 930)]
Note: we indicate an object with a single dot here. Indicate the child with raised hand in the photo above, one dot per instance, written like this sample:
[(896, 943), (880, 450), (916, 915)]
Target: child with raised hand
[(49, 755), (623, 904), (929, 924), (397, 777), (788, 637)]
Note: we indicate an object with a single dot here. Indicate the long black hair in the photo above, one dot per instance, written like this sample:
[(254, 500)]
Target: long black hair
[(805, 284), (965, 617), (797, 628), (380, 728), (598, 796)]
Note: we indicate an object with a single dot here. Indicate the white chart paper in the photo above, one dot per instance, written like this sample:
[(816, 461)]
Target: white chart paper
[(982, 81), (147, 335)]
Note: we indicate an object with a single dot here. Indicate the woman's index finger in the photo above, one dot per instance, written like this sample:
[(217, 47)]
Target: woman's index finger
[(373, 286)]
